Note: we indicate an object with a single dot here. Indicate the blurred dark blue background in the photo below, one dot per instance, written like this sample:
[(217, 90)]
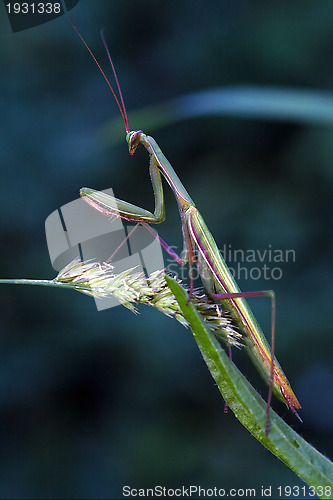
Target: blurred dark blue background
[(91, 401)]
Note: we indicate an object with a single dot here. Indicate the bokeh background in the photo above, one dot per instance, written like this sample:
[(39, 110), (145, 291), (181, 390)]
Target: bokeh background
[(91, 401)]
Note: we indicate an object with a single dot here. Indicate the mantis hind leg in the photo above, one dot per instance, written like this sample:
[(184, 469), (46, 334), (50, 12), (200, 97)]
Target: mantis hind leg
[(271, 295)]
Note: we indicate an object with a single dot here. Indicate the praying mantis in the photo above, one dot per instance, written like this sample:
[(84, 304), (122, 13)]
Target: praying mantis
[(199, 247)]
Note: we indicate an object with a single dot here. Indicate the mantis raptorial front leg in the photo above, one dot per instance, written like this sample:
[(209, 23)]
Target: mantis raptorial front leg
[(198, 247), (111, 206)]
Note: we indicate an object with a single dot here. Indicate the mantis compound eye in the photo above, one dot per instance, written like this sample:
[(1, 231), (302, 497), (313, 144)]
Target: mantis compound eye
[(133, 140)]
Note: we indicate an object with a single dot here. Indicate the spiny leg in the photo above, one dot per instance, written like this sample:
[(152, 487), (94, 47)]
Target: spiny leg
[(110, 206)]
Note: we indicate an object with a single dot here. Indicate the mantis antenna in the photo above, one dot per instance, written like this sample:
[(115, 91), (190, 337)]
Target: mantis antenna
[(121, 106)]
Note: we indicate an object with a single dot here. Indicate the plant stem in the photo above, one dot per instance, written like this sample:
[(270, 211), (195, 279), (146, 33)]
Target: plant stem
[(52, 283)]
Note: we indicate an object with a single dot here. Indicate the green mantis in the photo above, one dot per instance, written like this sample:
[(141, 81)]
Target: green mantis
[(201, 249)]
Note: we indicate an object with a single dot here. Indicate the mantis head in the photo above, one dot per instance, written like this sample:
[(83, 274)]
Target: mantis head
[(133, 140)]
